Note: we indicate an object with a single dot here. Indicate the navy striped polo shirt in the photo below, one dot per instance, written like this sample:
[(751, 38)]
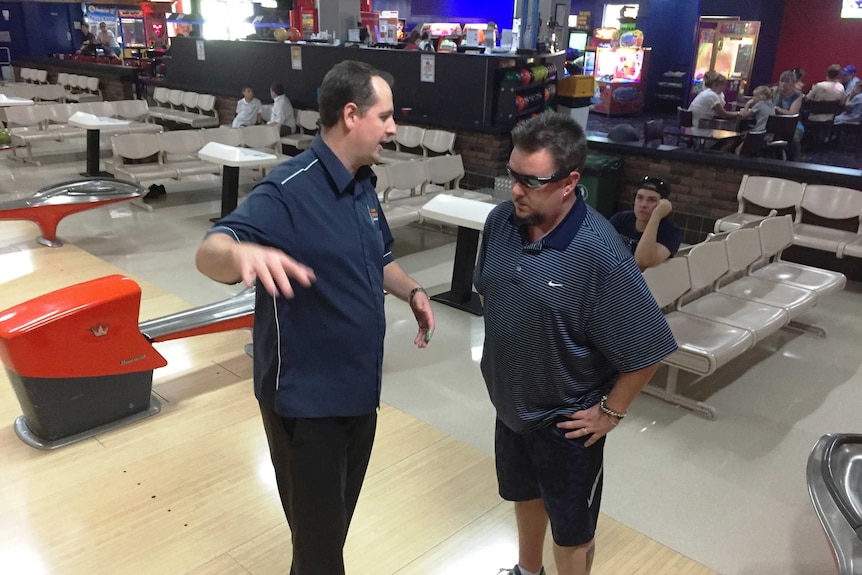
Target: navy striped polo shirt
[(319, 354), (563, 316)]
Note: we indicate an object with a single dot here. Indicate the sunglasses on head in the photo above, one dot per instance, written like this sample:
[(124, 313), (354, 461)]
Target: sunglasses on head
[(653, 183), (534, 182)]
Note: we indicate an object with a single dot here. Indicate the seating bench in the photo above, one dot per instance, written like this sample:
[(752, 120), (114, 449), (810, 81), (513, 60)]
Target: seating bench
[(726, 295)]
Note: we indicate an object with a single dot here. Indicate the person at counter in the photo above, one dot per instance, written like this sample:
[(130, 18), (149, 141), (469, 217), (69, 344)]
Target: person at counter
[(647, 231), (709, 104), (413, 41), (247, 109), (106, 39), (88, 41)]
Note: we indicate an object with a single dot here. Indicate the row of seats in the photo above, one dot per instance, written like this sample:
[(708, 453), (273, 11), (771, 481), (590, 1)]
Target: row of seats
[(186, 108), (79, 88), (413, 142), (725, 295), (307, 125), (28, 125), (174, 154), (838, 211), (404, 187), (36, 92), (33, 76)]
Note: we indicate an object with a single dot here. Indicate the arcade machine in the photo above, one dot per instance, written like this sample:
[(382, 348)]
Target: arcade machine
[(578, 40), (727, 47), (134, 34), (304, 17), (620, 74), (81, 364), (156, 24)]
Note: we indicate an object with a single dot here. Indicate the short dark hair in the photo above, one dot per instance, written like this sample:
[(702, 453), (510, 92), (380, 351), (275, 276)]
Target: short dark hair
[(558, 133), (278, 89), (348, 81), (833, 72)]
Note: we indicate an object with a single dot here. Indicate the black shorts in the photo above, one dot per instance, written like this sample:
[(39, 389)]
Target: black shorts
[(567, 476)]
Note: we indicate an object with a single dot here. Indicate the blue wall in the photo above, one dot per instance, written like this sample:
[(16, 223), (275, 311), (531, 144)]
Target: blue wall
[(15, 27), (49, 27), (461, 11)]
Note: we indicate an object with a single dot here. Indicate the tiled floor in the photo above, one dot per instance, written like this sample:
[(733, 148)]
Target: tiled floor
[(729, 493)]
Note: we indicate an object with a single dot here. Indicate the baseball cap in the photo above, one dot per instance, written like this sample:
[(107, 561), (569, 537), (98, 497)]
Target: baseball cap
[(849, 69), (656, 185)]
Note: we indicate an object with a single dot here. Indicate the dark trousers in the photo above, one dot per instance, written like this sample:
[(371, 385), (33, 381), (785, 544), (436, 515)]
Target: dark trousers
[(284, 130), (319, 466)]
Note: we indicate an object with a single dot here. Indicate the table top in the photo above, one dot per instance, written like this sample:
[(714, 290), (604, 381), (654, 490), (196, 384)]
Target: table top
[(6, 101), (458, 211), (709, 133), (93, 122), (235, 157)]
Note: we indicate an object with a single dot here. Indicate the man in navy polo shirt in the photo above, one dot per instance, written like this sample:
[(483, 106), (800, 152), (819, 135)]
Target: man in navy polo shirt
[(572, 334), (318, 344), (647, 230)]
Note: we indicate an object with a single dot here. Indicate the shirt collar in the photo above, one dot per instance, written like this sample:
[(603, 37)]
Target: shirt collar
[(344, 181), (562, 235)]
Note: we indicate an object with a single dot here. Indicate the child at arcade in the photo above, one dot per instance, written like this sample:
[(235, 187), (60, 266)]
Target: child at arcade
[(649, 233)]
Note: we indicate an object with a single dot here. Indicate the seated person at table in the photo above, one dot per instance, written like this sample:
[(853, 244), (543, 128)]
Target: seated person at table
[(88, 41), (852, 113), (282, 111), (829, 90), (709, 104), (849, 79), (788, 101), (761, 107), (247, 109), (649, 233)]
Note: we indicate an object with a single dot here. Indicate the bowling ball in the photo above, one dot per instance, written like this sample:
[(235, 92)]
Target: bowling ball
[(520, 103), (526, 76), (5, 138), (513, 76), (293, 34), (547, 94), (280, 34), (552, 90), (552, 71)]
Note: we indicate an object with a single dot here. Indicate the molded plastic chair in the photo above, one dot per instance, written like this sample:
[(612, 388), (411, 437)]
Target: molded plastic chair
[(832, 203), (776, 234), (764, 192)]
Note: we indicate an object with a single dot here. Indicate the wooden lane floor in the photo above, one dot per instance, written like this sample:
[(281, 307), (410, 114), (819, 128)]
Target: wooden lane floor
[(191, 490)]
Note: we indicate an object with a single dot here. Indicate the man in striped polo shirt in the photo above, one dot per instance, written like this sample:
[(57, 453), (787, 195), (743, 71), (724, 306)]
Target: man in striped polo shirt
[(572, 334)]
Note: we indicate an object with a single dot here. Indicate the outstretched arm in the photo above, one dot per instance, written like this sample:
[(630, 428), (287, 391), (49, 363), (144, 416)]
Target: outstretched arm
[(225, 260)]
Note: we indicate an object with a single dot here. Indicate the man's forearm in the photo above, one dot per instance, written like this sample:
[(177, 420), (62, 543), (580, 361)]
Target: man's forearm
[(216, 259), (645, 253), (397, 282), (627, 387)]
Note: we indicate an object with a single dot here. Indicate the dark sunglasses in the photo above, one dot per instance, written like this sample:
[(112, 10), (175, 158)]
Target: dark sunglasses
[(534, 182), (656, 184)]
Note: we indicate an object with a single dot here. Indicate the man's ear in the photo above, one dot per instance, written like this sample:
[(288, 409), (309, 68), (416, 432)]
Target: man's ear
[(350, 115), (572, 181)]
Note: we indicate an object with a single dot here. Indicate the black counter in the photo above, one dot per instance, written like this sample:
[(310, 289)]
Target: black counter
[(462, 97)]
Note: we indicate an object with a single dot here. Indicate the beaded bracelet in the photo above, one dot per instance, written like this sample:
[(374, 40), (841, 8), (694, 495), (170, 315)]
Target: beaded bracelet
[(608, 410)]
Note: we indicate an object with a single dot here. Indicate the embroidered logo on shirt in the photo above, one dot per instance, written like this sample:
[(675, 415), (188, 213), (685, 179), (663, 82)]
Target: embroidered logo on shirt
[(372, 212), (555, 284)]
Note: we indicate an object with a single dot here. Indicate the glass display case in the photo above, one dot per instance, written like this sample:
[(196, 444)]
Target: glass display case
[(727, 47)]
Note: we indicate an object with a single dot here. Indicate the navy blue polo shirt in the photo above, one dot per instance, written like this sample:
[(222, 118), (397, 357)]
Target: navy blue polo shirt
[(668, 235), (563, 316), (319, 354)]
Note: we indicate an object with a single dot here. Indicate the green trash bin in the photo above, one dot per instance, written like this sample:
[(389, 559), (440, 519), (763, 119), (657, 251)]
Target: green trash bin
[(601, 182)]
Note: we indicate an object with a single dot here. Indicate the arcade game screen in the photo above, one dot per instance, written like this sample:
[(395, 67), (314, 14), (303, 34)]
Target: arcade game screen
[(619, 65)]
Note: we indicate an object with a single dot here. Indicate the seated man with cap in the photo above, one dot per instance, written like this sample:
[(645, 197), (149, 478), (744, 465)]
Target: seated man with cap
[(849, 79), (647, 230)]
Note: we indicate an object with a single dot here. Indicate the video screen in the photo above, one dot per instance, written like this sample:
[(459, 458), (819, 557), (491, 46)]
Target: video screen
[(851, 9), (619, 65)]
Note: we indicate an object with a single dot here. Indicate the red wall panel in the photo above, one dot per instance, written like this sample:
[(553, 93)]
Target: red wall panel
[(814, 36)]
